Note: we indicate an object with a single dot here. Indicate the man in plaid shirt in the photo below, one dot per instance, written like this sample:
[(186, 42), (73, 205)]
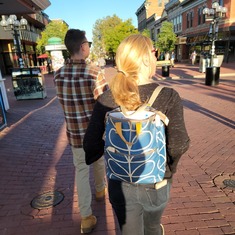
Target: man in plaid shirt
[(78, 85)]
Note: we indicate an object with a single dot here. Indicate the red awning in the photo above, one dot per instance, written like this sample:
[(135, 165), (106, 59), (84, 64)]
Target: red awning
[(43, 56)]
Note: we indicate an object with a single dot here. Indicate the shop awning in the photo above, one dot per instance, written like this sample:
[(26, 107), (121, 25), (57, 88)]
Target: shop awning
[(43, 56)]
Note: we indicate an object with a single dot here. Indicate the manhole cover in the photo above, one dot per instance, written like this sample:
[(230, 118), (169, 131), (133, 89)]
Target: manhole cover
[(225, 181), (229, 183), (47, 200)]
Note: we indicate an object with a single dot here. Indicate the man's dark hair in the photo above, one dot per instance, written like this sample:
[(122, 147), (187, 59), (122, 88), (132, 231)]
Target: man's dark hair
[(73, 40)]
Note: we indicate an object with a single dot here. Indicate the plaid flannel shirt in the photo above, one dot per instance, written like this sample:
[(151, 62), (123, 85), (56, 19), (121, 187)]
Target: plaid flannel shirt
[(78, 85)]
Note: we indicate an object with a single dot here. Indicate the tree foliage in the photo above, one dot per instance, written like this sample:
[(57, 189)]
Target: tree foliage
[(109, 32), (166, 38), (53, 29), (146, 33), (114, 36)]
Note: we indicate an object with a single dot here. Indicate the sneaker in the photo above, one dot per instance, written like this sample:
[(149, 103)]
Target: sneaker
[(88, 224), (100, 196)]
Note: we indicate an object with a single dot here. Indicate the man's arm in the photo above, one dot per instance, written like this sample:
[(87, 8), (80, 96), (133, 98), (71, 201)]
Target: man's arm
[(100, 86)]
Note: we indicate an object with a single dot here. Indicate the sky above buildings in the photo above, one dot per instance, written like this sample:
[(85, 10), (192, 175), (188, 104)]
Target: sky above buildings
[(82, 14)]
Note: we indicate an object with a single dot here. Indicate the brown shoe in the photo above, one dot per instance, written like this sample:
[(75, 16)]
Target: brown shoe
[(100, 196), (88, 224)]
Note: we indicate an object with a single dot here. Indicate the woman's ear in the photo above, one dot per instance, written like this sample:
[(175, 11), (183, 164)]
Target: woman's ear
[(144, 72), (146, 61)]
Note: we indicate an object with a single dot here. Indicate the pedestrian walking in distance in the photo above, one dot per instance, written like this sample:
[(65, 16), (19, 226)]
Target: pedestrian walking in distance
[(193, 57), (172, 59)]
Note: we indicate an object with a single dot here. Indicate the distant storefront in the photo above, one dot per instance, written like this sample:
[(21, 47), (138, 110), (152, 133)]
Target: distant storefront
[(224, 44)]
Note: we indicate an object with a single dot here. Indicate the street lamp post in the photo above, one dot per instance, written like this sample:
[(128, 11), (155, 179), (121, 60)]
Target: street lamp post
[(215, 14), (13, 24)]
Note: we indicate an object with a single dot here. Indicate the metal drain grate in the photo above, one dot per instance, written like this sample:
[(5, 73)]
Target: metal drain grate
[(47, 200), (225, 181), (229, 183)]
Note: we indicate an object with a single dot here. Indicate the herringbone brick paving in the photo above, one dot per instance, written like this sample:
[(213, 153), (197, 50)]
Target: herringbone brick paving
[(35, 158)]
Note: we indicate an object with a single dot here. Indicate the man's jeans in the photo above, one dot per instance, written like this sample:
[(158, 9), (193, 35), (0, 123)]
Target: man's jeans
[(83, 181), (138, 208)]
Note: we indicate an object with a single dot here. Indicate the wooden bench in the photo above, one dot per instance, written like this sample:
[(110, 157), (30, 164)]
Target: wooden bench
[(161, 63)]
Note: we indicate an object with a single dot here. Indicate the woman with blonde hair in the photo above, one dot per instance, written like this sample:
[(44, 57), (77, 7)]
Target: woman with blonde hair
[(138, 207)]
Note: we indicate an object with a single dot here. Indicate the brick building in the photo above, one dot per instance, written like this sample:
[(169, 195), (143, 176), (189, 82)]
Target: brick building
[(148, 13), (190, 25), (196, 28)]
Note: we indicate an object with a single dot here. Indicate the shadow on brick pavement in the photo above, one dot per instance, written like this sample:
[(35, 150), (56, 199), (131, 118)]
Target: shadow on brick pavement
[(35, 159)]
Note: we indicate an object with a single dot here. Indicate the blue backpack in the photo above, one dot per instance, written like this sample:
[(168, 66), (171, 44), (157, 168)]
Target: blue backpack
[(135, 144)]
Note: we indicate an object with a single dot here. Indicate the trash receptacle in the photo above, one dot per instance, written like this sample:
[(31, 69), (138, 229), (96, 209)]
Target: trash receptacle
[(202, 64), (165, 70), (212, 76)]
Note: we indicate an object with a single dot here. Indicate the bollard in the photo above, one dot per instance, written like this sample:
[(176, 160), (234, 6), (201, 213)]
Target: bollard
[(165, 70), (212, 76)]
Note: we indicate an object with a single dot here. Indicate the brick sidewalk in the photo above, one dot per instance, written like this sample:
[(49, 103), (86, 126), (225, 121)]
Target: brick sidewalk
[(35, 159), (186, 70)]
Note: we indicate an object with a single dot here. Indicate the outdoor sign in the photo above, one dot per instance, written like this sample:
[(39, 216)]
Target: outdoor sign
[(55, 47)]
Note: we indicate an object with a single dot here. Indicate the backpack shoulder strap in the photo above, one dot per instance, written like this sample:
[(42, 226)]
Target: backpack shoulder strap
[(149, 103), (155, 95)]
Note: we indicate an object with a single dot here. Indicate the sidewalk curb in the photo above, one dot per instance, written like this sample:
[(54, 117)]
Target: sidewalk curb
[(202, 76)]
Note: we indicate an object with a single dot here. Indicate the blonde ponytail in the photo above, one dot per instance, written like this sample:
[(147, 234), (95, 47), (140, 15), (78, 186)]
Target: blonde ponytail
[(129, 58)]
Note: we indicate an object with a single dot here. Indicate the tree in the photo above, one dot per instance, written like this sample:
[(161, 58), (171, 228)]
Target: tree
[(166, 38), (53, 29), (109, 32), (99, 31), (146, 33), (114, 36)]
